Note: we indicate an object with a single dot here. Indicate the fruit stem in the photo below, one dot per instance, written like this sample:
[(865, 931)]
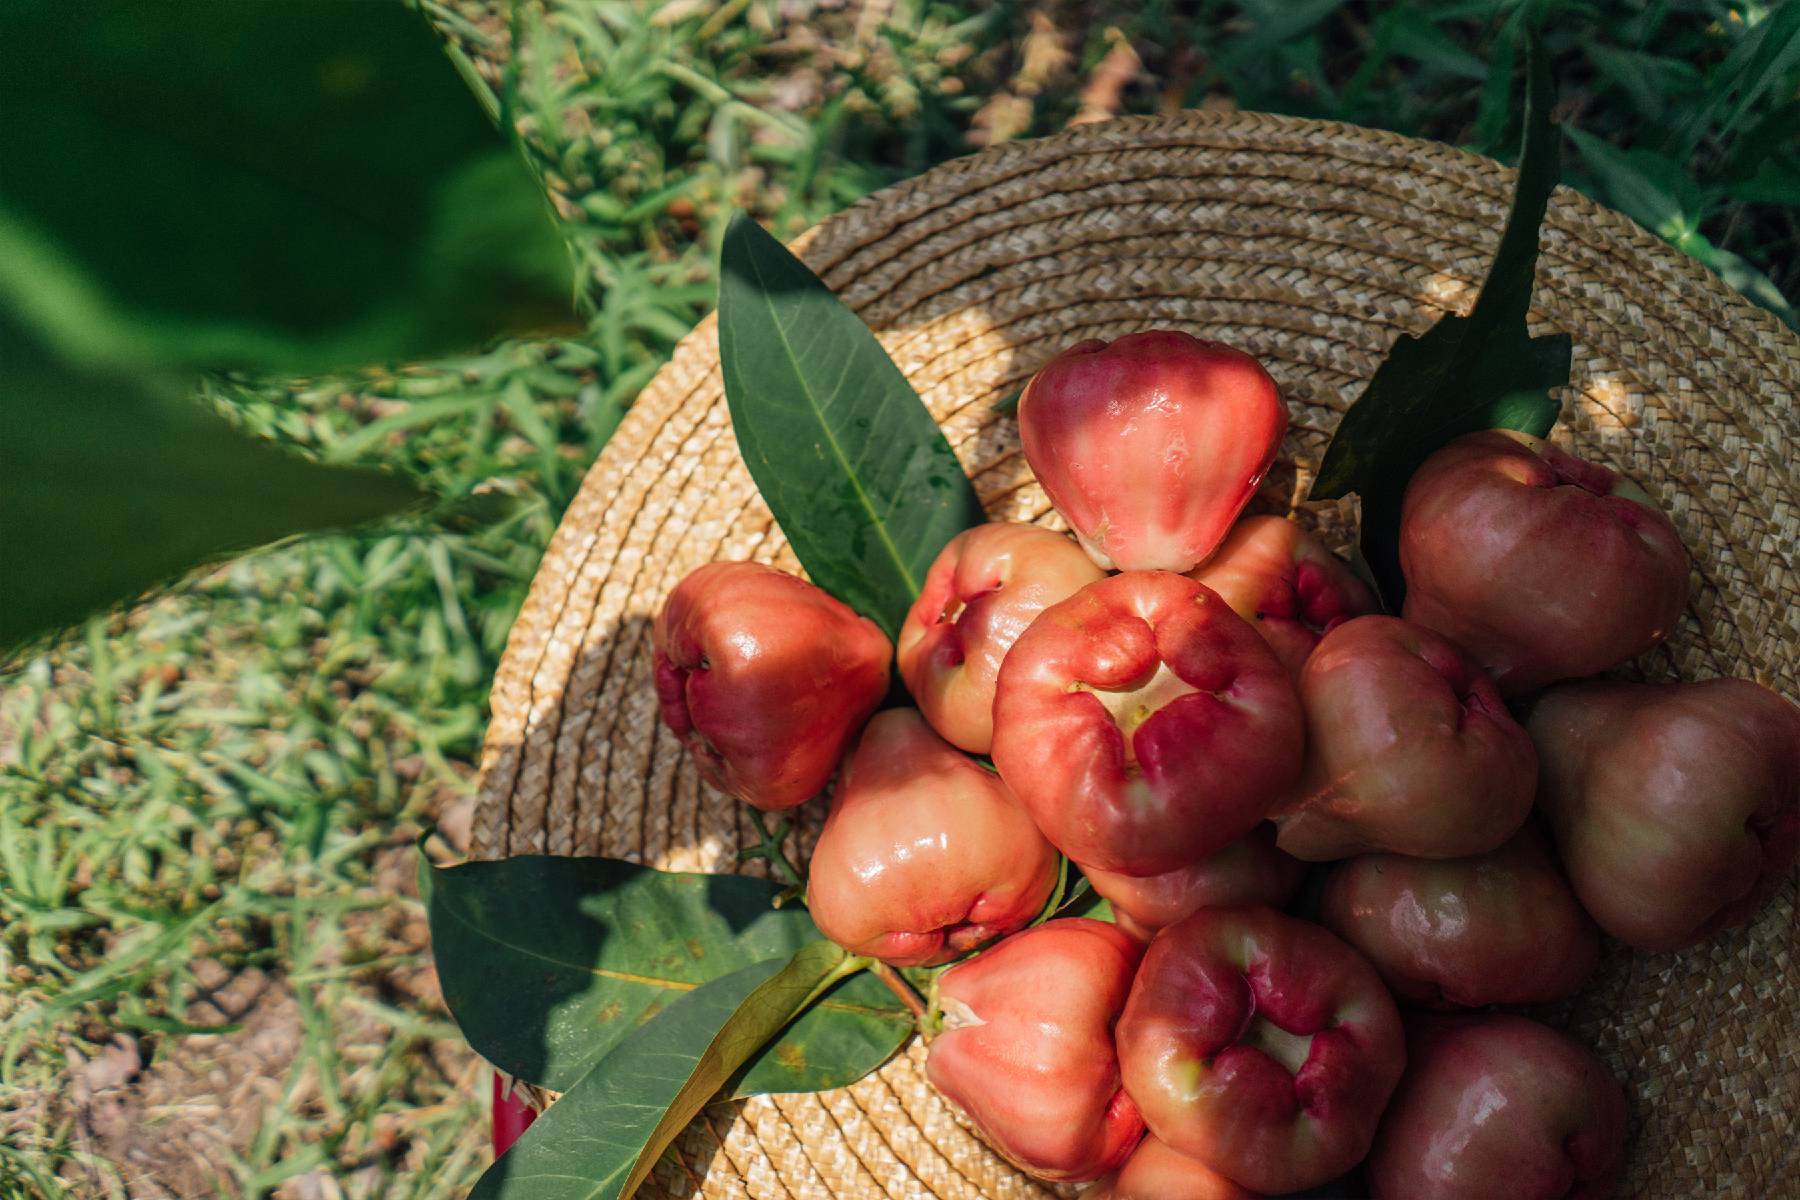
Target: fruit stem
[(770, 848), (908, 995)]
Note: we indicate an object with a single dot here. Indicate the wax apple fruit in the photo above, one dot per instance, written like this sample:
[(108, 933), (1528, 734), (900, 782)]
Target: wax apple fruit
[(985, 587), (1499, 1108), (1676, 806), (925, 855), (1261, 1045), (1541, 565), (1495, 928), (1150, 446), (765, 679), (1248, 871), (1284, 581), (1027, 1047), (1410, 750), (1155, 1172), (1144, 724)]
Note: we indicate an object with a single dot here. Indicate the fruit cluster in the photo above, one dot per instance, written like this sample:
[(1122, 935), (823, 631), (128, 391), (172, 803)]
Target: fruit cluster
[(1191, 708)]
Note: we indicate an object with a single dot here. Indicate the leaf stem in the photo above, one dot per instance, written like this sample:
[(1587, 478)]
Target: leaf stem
[(770, 848)]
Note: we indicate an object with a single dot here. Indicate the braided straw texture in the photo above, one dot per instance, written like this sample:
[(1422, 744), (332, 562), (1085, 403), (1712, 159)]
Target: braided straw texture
[(1313, 246)]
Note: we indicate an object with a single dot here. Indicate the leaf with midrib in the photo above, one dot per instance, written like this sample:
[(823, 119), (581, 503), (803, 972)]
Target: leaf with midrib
[(548, 962), (1482, 371), (601, 1139), (849, 460)]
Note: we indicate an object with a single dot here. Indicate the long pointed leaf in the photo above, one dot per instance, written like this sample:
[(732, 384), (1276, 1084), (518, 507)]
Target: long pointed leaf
[(1483, 371), (601, 1139), (852, 465)]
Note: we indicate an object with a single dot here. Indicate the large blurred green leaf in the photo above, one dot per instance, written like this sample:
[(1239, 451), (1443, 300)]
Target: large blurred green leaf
[(547, 963), (110, 483), (293, 186)]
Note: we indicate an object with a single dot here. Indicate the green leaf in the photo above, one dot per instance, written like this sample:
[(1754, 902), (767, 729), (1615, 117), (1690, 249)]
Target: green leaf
[(115, 483), (1656, 193), (601, 1139), (1644, 186), (291, 186), (1773, 183), (1464, 374), (852, 465), (548, 962), (1755, 65)]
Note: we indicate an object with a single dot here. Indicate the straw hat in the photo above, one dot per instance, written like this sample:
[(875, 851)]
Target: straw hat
[(1313, 246)]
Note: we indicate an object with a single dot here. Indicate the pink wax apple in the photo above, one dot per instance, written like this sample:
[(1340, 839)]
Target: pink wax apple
[(1144, 724), (1676, 806), (1261, 1045), (1495, 928), (986, 586), (1499, 1108), (1155, 1172), (1410, 750), (1284, 581), (1027, 1047), (925, 855), (765, 679), (1541, 565), (1248, 871), (1151, 446)]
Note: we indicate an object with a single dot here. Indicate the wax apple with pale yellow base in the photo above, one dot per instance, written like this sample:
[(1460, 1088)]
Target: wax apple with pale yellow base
[(1541, 565), (1027, 1047), (985, 587), (1410, 750), (1261, 1045), (1155, 1172), (1495, 928), (925, 855), (1144, 724), (1150, 446), (1248, 871), (1676, 806), (1499, 1108), (1284, 581), (765, 679)]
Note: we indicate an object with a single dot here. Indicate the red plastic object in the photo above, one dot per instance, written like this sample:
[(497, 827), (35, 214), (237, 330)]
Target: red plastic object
[(512, 1116)]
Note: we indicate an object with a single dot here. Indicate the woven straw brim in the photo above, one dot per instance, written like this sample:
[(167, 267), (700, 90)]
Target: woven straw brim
[(1313, 246)]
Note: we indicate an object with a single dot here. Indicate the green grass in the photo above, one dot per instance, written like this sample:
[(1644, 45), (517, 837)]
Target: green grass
[(227, 781)]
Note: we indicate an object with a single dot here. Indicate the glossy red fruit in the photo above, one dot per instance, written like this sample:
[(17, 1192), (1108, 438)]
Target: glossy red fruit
[(765, 679), (510, 1116), (925, 855), (1676, 806), (1499, 1108), (985, 587), (1150, 446), (1155, 1172), (1248, 871), (1284, 581), (1144, 724), (1261, 1045), (1410, 750), (1027, 1047), (1540, 565), (1495, 928)]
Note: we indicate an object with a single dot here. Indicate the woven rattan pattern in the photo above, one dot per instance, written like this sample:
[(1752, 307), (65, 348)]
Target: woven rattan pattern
[(1313, 246)]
